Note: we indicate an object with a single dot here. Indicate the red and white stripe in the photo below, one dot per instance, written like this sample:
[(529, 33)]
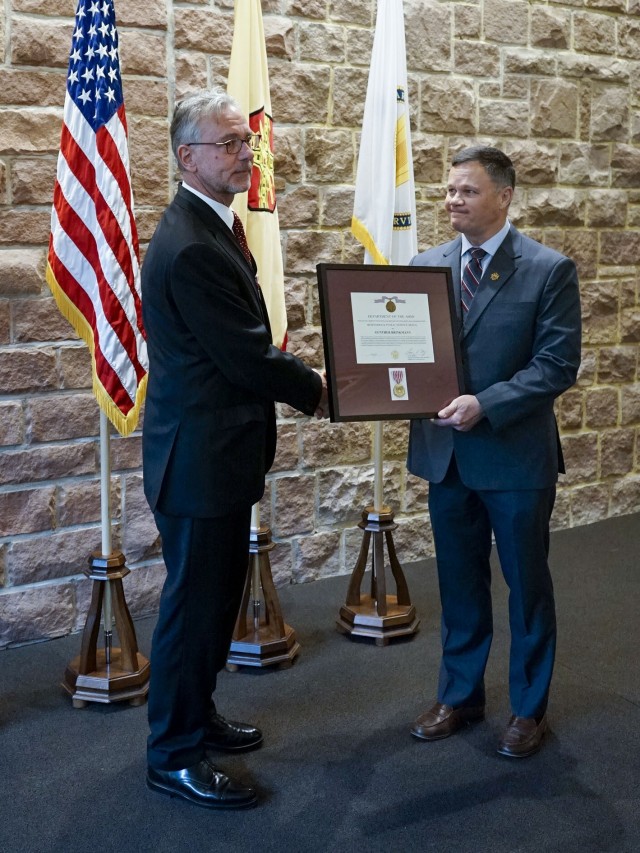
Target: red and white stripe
[(93, 263)]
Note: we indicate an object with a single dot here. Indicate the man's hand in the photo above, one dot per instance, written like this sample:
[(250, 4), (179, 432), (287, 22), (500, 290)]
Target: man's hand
[(462, 414), (322, 410)]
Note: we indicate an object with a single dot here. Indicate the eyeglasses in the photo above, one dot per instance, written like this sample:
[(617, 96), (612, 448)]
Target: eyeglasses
[(233, 146)]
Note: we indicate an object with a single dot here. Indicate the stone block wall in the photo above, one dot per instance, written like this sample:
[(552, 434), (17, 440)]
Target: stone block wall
[(555, 84)]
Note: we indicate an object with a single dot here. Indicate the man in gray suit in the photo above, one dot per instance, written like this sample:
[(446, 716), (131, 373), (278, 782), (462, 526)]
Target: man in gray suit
[(493, 454)]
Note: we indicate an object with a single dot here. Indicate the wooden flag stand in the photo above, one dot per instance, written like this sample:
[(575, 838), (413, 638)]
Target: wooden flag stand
[(109, 674), (378, 615), (261, 637)]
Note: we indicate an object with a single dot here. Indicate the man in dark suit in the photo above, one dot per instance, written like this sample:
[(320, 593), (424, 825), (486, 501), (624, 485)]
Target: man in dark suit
[(209, 438), (493, 454)]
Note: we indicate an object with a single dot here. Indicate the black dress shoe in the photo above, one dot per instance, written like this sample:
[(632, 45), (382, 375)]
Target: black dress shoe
[(230, 736), (202, 785), (440, 721)]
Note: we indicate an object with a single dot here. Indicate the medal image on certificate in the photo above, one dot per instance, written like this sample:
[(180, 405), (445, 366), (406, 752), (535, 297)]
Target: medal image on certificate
[(390, 329), (398, 383)]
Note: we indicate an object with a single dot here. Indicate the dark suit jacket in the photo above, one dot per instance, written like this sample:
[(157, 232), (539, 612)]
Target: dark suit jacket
[(209, 426), (520, 345)]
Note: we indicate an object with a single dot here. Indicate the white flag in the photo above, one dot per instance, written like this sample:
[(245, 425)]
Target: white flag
[(384, 210), (248, 83)]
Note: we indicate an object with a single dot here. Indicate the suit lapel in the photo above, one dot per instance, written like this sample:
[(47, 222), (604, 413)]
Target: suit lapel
[(499, 271), (451, 258), (227, 242)]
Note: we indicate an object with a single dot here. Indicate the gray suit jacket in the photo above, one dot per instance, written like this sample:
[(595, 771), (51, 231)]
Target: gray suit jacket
[(520, 346)]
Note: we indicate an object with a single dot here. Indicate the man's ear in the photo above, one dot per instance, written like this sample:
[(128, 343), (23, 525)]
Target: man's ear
[(506, 195), (185, 159)]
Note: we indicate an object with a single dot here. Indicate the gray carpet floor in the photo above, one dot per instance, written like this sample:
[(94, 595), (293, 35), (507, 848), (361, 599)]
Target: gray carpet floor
[(339, 770)]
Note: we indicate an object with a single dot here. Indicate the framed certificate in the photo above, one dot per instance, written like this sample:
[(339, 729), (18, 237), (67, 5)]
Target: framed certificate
[(390, 341)]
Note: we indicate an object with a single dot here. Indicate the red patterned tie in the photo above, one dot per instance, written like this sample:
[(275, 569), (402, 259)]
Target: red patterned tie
[(471, 277), (241, 237)]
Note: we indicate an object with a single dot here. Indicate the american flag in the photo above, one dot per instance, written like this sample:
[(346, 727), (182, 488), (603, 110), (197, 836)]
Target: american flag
[(93, 266)]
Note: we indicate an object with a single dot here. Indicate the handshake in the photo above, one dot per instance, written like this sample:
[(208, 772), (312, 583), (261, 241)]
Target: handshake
[(322, 410)]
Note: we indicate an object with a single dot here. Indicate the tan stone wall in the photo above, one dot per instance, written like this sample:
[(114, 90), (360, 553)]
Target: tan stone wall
[(556, 84)]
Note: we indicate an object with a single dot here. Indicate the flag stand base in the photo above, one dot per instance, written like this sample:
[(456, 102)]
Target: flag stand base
[(110, 674), (261, 637), (378, 616)]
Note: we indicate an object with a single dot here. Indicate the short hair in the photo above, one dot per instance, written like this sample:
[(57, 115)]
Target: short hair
[(189, 112), (496, 163)]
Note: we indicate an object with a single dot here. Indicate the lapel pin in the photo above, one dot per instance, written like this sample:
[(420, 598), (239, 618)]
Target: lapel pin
[(495, 276)]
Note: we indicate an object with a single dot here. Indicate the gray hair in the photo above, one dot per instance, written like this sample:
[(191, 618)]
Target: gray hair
[(189, 112)]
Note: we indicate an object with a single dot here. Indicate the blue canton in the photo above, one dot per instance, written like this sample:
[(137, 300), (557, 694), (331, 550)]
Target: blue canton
[(94, 80)]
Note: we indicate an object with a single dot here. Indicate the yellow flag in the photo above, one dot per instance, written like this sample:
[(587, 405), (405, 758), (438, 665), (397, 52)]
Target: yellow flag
[(384, 210), (248, 83)]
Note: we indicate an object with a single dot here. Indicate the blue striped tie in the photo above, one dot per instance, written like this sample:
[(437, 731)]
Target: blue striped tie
[(471, 277)]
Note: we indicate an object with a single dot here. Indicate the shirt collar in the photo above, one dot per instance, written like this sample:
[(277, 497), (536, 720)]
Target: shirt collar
[(491, 245), (225, 213)]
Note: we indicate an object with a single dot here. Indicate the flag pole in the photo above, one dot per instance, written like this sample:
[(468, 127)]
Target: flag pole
[(93, 270), (378, 496), (105, 512), (255, 568), (384, 195), (261, 638)]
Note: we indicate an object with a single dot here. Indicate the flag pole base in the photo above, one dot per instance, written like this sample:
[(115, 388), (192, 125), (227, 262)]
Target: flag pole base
[(261, 637), (378, 616), (114, 674)]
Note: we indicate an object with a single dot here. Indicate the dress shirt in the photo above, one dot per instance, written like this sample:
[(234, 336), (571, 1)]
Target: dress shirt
[(225, 213), (490, 246)]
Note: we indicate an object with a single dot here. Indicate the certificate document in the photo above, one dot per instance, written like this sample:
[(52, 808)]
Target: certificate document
[(393, 329), (390, 336)]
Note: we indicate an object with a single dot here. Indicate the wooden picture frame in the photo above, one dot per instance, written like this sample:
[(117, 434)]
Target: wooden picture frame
[(390, 340)]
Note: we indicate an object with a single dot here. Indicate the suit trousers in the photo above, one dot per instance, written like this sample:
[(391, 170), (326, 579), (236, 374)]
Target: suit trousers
[(462, 521), (207, 560)]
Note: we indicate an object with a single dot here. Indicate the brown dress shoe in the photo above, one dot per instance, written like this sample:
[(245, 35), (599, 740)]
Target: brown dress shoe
[(522, 737), (443, 720)]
